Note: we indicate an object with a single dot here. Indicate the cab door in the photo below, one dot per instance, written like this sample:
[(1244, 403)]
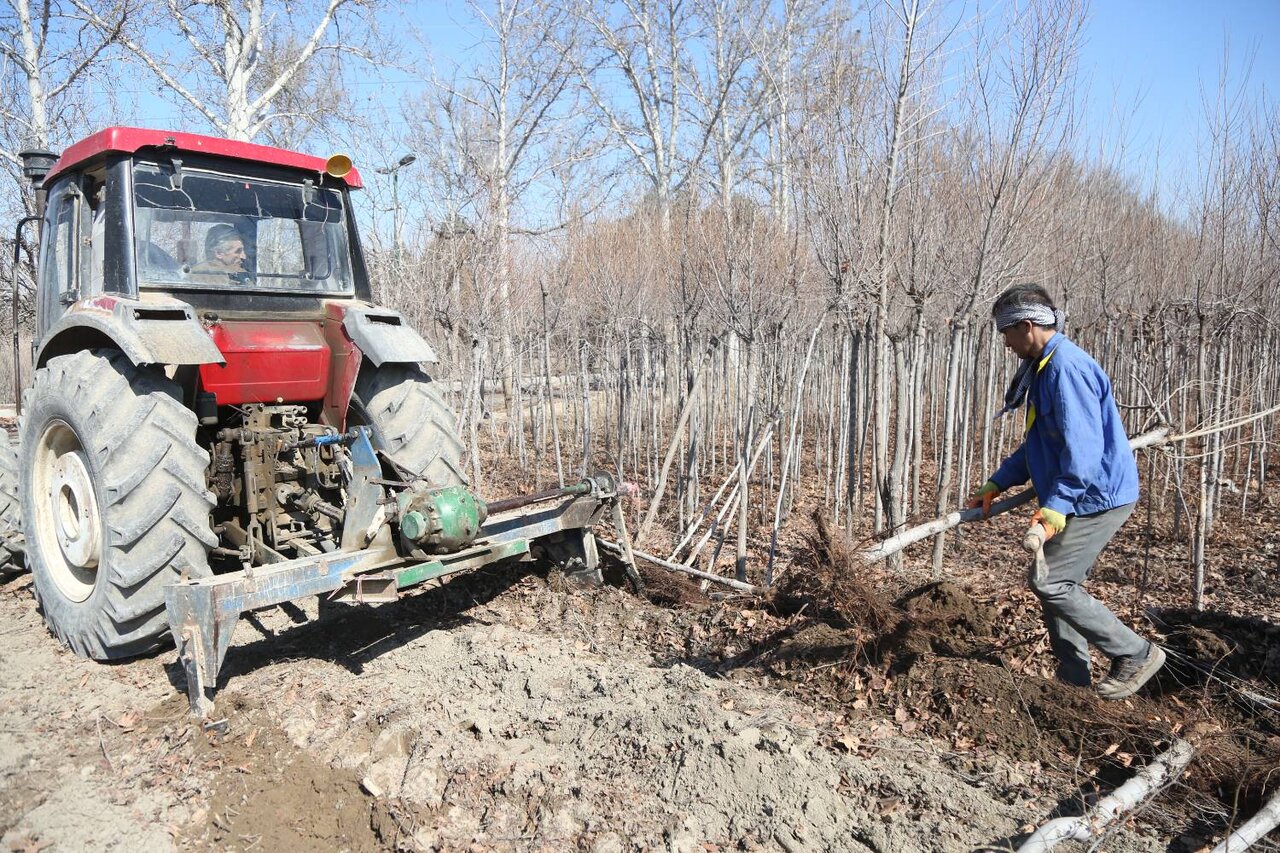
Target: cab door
[(58, 284), (71, 251)]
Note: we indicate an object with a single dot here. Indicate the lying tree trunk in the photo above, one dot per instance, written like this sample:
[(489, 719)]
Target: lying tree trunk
[(1089, 827), (676, 567), (894, 544), (1259, 825)]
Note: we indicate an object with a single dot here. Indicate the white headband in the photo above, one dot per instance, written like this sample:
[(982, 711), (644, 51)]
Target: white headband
[(1041, 315)]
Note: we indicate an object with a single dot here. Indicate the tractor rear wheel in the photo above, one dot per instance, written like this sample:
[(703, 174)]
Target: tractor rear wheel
[(113, 499), (416, 426), (11, 544)]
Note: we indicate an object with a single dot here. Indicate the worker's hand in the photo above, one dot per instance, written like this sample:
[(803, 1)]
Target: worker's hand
[(1051, 520), (983, 498)]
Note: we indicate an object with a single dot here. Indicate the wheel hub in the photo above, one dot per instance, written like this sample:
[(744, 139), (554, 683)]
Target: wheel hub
[(67, 525), (75, 511)]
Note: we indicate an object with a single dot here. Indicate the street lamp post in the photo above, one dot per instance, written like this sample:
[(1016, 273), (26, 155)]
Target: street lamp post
[(396, 224)]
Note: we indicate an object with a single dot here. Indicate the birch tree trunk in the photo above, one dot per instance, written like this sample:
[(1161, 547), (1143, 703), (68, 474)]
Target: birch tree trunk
[(949, 405), (241, 62)]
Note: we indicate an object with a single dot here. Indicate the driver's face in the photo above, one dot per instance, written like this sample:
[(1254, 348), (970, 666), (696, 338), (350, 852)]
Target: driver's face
[(231, 255)]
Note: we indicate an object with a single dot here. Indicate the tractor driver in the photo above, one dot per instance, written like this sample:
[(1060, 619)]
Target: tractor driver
[(224, 256)]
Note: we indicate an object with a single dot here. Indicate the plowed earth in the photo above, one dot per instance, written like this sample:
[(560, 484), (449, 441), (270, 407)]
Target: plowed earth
[(852, 709)]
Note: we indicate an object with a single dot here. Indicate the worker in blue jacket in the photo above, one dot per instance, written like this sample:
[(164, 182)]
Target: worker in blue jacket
[(1077, 456)]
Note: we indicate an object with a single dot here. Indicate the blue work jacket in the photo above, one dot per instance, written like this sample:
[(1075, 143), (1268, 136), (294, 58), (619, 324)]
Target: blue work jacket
[(1075, 452)]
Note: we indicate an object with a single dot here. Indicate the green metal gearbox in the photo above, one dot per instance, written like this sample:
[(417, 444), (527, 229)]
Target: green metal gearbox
[(439, 521)]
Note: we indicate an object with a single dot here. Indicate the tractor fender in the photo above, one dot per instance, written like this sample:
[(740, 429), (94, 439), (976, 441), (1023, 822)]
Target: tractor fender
[(158, 331), (385, 336)]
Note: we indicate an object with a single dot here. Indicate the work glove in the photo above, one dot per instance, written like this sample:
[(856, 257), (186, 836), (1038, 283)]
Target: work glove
[(1051, 520), (983, 498)]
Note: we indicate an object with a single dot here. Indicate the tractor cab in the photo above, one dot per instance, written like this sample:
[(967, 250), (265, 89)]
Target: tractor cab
[(293, 235), (240, 260), (134, 214)]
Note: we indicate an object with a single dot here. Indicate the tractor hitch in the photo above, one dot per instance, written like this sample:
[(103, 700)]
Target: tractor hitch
[(203, 612)]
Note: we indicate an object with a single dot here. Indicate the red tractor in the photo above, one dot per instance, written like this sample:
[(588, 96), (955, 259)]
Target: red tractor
[(220, 419)]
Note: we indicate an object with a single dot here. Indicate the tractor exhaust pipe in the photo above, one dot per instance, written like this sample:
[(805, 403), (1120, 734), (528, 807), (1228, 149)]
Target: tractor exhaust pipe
[(36, 165)]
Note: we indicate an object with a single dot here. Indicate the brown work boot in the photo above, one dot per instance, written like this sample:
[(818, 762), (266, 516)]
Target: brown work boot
[(1130, 672)]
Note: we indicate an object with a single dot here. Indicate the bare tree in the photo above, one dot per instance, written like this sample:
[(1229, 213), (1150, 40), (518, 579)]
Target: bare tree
[(637, 66), (45, 55), (504, 117), (735, 96), (237, 58), (47, 58), (790, 52), (1019, 98)]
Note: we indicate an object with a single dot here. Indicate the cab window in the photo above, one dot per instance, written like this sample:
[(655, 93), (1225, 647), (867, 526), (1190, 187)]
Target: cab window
[(201, 228), (58, 254)]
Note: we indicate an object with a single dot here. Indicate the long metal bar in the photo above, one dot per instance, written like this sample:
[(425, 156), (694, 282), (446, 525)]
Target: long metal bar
[(203, 612), (505, 504)]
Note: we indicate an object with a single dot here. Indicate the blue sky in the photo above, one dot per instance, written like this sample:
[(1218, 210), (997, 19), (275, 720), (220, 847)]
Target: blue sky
[(1144, 67), (1148, 63)]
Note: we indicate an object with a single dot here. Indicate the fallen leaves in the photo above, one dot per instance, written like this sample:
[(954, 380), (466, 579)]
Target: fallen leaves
[(848, 742), (29, 844), (127, 720)]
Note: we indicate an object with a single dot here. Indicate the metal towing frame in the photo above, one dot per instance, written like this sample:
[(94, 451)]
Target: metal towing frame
[(203, 612)]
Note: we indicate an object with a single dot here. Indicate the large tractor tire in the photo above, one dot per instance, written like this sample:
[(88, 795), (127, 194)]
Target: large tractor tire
[(113, 499), (415, 425), (11, 543)]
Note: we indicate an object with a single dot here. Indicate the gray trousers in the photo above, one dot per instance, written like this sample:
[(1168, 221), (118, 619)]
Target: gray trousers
[(1074, 617)]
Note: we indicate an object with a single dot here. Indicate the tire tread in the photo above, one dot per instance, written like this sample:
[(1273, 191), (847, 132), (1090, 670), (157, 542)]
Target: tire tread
[(152, 496), (417, 427)]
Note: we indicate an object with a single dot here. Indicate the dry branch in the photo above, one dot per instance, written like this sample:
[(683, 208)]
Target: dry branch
[(735, 477), (660, 487), (1089, 827), (1254, 829), (676, 567), (1225, 427)]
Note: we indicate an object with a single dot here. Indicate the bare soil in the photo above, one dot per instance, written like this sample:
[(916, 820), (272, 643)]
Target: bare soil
[(853, 709)]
